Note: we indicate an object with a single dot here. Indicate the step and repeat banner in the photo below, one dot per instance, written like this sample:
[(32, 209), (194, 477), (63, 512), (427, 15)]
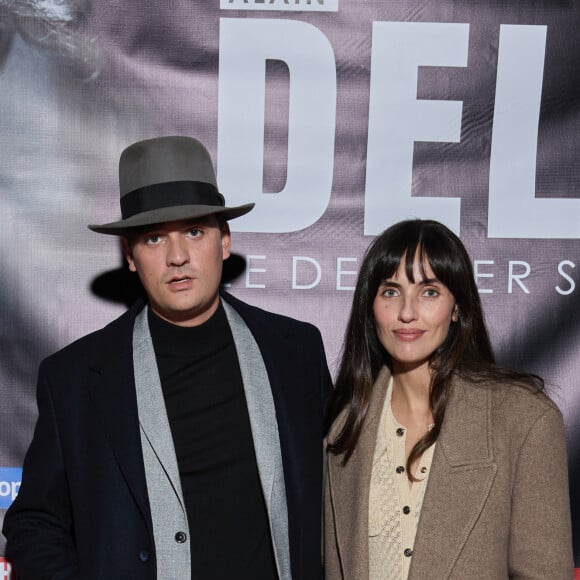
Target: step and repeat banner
[(337, 118)]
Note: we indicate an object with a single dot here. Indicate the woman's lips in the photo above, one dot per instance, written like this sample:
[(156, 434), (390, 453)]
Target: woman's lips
[(409, 335)]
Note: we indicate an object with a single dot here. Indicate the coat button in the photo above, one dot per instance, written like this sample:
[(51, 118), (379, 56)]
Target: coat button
[(408, 552), (180, 537), (144, 556), (400, 469), (406, 510), (400, 432)]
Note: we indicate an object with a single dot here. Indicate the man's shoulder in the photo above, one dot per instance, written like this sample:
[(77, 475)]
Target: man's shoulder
[(101, 343), (253, 314)]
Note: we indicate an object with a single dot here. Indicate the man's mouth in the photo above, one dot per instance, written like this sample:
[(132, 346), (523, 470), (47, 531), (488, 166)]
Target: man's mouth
[(177, 280)]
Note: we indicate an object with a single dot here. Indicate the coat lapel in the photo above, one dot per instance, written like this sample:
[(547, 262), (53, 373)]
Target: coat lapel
[(112, 392), (299, 383), (166, 501), (265, 435), (462, 474), (151, 405), (349, 487)]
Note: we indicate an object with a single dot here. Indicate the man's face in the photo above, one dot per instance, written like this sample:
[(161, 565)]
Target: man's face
[(180, 266)]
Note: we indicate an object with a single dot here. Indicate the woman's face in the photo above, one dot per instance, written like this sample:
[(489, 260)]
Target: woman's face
[(413, 318)]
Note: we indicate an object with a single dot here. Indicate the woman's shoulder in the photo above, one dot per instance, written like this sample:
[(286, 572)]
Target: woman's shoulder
[(499, 419), (515, 405)]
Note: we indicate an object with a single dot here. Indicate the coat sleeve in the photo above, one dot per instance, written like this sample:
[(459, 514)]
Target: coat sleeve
[(540, 535), (326, 386), (38, 525), (332, 569)]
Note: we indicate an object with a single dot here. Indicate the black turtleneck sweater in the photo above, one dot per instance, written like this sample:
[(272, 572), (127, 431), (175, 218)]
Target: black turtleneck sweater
[(207, 411)]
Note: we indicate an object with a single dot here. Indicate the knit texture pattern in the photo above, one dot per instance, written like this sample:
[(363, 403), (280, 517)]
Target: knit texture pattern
[(394, 504)]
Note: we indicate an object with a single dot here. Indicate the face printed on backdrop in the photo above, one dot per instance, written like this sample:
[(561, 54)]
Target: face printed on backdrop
[(336, 121)]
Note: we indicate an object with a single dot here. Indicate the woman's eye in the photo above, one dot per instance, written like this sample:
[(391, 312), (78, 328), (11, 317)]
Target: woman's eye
[(431, 292), (390, 292)]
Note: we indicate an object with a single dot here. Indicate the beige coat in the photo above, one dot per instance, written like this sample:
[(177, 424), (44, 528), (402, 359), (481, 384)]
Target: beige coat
[(496, 504)]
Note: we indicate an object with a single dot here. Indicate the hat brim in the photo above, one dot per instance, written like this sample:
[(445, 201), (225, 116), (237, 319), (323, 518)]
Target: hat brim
[(169, 214)]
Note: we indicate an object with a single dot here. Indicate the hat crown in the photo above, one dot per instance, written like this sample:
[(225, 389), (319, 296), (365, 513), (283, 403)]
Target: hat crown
[(164, 160), (167, 179)]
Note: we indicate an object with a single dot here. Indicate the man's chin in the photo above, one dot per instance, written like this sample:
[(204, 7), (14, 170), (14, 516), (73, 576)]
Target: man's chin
[(187, 315)]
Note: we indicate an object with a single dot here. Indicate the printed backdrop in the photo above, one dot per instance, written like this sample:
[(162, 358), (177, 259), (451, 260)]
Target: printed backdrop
[(338, 118)]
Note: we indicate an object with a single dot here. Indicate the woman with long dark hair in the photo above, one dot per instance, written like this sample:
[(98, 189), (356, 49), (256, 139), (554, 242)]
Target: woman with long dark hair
[(440, 463)]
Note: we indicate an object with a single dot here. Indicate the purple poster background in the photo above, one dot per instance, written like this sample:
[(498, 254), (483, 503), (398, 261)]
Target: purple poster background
[(81, 80)]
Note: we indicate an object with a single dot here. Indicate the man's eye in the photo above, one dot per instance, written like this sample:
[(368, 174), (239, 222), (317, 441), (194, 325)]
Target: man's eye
[(195, 232), (152, 239)]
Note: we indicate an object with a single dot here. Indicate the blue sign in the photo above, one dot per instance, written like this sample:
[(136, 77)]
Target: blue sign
[(10, 478)]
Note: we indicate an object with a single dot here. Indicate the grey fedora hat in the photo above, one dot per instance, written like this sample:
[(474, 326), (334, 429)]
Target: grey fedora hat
[(167, 179)]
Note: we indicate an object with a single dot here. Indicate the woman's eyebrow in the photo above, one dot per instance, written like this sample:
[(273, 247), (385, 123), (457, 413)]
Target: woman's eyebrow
[(423, 282)]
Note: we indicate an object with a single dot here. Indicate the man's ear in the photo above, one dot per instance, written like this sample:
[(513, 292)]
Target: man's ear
[(128, 253), (226, 240)]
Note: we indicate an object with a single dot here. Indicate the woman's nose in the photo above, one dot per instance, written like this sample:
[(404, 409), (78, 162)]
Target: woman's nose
[(408, 310)]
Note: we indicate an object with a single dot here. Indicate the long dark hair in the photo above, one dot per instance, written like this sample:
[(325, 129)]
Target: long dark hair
[(466, 351)]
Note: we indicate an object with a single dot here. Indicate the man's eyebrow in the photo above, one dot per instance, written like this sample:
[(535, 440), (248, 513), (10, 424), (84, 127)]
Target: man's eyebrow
[(203, 220), (144, 233)]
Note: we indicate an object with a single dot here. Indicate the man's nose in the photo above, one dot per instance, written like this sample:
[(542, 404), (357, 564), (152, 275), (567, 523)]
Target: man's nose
[(177, 251)]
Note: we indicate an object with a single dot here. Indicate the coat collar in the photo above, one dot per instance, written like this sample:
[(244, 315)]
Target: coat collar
[(462, 473)]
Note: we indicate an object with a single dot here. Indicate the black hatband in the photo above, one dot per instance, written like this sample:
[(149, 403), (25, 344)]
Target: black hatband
[(170, 194)]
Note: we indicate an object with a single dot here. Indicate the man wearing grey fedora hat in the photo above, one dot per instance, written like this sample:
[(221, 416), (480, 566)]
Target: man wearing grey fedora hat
[(184, 439)]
